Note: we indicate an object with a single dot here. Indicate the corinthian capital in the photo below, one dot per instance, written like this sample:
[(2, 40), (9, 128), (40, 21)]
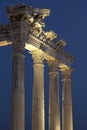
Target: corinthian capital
[(18, 48), (66, 73), (38, 57), (53, 66)]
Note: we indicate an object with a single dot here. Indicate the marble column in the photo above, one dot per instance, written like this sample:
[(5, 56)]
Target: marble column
[(38, 91), (67, 122), (17, 99), (54, 106)]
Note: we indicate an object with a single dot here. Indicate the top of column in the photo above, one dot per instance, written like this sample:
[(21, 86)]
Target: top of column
[(17, 12), (53, 65), (29, 23), (38, 56), (66, 73)]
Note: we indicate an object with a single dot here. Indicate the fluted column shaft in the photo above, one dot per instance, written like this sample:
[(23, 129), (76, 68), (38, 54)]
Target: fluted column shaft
[(54, 107), (38, 92), (17, 100), (67, 123)]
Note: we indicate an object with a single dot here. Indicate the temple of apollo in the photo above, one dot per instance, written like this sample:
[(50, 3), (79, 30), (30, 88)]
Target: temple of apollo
[(26, 31)]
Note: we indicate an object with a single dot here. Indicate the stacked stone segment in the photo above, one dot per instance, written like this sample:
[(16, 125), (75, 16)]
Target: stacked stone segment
[(26, 31)]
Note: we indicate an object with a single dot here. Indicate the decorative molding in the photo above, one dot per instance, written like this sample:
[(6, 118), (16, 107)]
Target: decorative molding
[(18, 48), (53, 66), (38, 57), (66, 73), (26, 22)]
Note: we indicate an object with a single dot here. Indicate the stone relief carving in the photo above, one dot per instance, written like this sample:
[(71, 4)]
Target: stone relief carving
[(18, 48), (53, 66), (26, 20), (50, 35), (66, 73), (60, 43), (38, 57)]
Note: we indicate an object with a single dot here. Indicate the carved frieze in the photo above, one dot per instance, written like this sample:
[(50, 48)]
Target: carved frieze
[(26, 21)]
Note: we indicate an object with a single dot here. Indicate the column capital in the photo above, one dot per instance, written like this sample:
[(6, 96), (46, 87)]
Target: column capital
[(38, 57), (18, 48), (53, 65), (66, 73)]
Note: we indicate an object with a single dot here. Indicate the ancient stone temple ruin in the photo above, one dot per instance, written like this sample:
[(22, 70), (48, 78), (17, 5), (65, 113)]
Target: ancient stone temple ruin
[(26, 31)]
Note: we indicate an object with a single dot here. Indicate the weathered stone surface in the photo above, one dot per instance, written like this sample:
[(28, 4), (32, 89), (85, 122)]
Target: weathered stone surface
[(17, 100), (54, 105), (26, 31), (38, 113), (27, 22), (67, 118)]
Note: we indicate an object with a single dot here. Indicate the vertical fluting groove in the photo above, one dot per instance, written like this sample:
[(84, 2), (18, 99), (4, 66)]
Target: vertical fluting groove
[(67, 119), (54, 107), (17, 101), (38, 94)]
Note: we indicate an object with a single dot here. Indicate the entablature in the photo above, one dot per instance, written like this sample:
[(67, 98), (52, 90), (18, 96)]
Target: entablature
[(27, 26)]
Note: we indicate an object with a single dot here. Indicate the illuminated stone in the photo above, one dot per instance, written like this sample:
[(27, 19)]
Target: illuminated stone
[(26, 31), (38, 117), (67, 119), (54, 105), (17, 98)]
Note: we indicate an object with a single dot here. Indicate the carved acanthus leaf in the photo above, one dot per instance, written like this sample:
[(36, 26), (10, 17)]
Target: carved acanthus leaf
[(38, 57), (18, 48), (66, 73), (53, 66)]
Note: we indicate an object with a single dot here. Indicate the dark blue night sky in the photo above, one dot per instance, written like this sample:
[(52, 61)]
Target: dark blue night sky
[(69, 20)]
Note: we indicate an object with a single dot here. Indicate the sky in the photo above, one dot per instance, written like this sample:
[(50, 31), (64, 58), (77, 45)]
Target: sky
[(69, 20)]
